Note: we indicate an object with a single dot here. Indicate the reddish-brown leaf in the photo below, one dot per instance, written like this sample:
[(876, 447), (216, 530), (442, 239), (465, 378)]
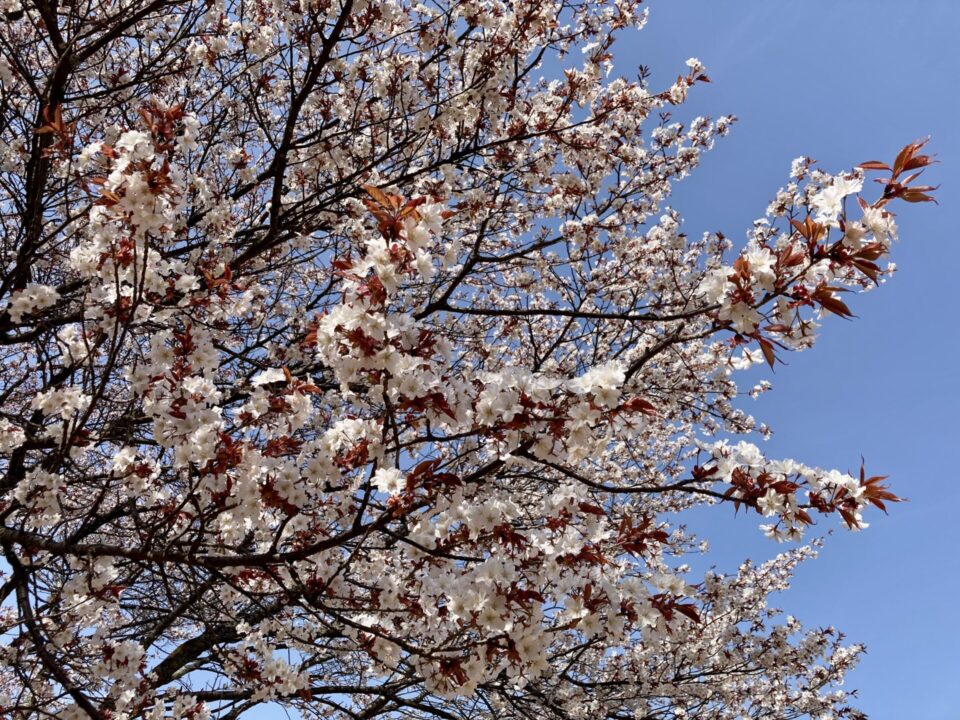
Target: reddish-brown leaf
[(874, 165)]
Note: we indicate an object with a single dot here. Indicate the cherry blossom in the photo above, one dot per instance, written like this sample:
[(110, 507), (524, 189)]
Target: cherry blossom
[(356, 362)]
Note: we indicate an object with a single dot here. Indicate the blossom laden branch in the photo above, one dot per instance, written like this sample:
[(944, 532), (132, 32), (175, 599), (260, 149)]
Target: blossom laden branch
[(353, 365)]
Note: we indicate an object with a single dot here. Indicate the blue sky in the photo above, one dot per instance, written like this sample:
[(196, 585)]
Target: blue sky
[(846, 81)]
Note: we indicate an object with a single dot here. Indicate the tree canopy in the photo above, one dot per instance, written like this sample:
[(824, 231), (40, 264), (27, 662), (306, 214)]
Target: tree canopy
[(354, 360)]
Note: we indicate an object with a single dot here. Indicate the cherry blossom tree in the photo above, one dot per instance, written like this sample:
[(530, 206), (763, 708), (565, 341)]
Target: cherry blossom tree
[(353, 360)]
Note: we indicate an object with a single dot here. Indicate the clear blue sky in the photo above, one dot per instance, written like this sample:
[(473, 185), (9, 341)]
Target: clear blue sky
[(846, 81)]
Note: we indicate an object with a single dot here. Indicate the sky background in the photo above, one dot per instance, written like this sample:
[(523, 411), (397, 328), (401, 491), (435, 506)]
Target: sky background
[(845, 81)]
